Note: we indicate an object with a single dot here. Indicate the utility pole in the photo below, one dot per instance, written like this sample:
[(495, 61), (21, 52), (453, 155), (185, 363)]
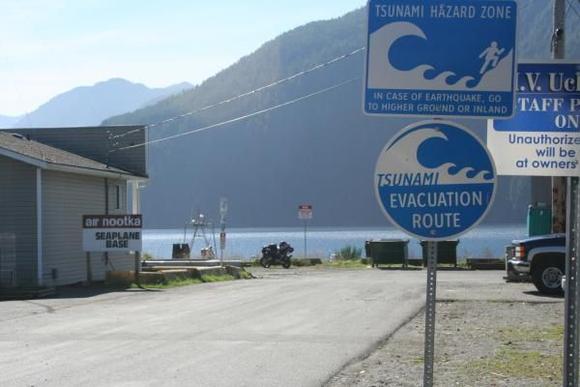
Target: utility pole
[(559, 184), (566, 216)]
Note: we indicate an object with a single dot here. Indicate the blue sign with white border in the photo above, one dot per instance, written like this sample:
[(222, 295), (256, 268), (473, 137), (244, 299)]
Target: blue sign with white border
[(441, 58), (435, 180), (543, 138)]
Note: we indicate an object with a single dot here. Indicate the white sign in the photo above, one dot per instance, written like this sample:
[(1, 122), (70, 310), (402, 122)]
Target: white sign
[(305, 211), (109, 233), (543, 139)]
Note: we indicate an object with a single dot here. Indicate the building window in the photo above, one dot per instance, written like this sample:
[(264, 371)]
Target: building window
[(117, 197)]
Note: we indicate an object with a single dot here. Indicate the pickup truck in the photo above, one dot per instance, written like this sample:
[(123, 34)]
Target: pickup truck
[(540, 258)]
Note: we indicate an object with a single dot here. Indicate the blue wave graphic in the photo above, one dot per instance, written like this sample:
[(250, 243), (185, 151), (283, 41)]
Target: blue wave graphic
[(410, 53), (459, 149)]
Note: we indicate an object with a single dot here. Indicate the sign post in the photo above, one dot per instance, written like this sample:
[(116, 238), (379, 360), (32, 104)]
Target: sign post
[(89, 268), (305, 213), (223, 214), (435, 181), (430, 307), (572, 302)]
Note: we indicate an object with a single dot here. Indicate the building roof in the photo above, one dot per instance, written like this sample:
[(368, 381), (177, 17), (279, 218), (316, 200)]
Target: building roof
[(19, 147), (98, 143)]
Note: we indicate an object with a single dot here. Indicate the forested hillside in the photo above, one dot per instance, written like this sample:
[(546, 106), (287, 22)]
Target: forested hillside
[(321, 150)]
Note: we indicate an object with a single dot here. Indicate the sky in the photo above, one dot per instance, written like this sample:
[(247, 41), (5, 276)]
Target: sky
[(51, 46)]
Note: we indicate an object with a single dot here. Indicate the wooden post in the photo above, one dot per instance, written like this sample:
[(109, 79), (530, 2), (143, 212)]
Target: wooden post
[(137, 267), (89, 269)]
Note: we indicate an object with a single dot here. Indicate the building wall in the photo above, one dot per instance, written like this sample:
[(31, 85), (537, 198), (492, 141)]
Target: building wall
[(66, 198), (17, 222), (119, 261)]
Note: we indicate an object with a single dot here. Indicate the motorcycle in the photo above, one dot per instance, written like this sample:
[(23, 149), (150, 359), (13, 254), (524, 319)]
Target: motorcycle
[(277, 255)]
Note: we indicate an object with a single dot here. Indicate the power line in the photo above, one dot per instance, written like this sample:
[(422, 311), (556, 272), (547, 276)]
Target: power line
[(241, 118), (571, 5), (567, 8), (259, 89)]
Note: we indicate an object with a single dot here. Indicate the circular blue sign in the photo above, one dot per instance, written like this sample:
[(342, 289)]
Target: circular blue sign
[(435, 180)]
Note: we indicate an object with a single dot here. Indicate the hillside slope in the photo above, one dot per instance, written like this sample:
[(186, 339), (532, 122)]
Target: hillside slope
[(320, 151)]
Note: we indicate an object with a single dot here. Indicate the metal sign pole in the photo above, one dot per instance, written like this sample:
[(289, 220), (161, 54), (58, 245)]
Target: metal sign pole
[(305, 244), (572, 313), (430, 304), (559, 183), (223, 213), (222, 241)]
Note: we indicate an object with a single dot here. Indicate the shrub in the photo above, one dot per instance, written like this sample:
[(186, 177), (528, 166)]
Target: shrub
[(349, 253)]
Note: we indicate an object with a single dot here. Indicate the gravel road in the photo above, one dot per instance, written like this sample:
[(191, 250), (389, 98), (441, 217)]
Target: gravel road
[(502, 335)]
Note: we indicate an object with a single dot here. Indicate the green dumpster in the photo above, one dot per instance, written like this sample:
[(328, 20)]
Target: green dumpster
[(387, 251), (539, 220), (446, 252)]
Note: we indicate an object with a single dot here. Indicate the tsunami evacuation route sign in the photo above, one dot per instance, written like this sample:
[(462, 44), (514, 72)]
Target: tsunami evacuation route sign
[(435, 180)]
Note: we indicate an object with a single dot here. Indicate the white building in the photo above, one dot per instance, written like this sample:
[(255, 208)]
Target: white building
[(49, 178)]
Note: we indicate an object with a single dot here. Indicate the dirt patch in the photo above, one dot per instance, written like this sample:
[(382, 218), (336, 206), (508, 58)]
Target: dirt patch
[(478, 343)]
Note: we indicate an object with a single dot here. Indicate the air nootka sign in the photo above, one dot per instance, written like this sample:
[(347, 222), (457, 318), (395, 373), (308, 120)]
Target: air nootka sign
[(112, 233)]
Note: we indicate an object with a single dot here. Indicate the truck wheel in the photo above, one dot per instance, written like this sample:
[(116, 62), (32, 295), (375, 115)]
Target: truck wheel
[(547, 277)]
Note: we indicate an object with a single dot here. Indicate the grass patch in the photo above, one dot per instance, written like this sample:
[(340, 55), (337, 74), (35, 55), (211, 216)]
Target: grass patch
[(245, 275), (521, 357), (519, 364), (340, 264), (147, 257), (172, 284), (194, 281), (217, 278), (553, 333), (349, 253)]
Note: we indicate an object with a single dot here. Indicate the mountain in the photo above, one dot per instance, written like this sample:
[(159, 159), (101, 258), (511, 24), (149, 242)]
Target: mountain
[(89, 105), (8, 121), (320, 151)]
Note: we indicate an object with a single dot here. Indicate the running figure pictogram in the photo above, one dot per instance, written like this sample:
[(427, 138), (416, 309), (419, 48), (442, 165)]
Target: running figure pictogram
[(492, 55)]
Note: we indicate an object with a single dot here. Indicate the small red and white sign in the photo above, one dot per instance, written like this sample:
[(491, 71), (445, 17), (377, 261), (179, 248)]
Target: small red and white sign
[(305, 211)]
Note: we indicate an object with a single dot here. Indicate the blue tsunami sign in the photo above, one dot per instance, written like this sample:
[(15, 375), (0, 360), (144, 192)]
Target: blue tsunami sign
[(435, 180), (441, 58)]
